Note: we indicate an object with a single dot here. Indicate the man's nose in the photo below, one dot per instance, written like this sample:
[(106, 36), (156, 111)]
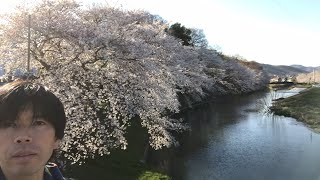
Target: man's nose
[(23, 137)]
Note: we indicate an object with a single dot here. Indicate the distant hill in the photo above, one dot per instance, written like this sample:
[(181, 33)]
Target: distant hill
[(282, 70), (309, 69)]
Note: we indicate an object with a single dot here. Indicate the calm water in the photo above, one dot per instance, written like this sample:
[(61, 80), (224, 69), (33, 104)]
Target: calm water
[(233, 139)]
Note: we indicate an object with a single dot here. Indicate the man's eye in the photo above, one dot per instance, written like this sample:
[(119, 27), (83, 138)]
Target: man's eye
[(9, 125), (39, 123)]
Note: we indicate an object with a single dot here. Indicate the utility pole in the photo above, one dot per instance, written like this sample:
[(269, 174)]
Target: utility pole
[(314, 77), (29, 24)]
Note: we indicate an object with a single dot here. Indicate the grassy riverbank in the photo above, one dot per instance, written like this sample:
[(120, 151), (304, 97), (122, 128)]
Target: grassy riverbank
[(121, 165), (304, 107)]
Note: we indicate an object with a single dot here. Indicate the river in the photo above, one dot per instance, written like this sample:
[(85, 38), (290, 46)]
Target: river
[(233, 138)]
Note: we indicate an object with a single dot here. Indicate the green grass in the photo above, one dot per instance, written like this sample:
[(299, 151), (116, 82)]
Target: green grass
[(304, 107), (148, 175), (117, 166)]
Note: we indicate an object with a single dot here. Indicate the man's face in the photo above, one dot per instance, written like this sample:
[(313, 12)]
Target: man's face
[(26, 145)]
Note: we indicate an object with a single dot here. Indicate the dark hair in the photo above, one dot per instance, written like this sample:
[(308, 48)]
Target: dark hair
[(18, 95)]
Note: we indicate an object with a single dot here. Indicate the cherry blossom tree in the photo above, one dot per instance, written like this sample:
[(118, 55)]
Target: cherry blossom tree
[(109, 65)]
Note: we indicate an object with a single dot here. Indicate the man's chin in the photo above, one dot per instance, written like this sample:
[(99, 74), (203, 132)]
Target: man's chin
[(26, 169)]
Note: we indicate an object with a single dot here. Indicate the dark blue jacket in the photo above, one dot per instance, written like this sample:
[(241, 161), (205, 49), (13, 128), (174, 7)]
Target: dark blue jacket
[(51, 172)]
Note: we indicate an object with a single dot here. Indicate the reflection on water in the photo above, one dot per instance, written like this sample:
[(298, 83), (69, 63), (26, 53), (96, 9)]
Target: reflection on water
[(232, 139)]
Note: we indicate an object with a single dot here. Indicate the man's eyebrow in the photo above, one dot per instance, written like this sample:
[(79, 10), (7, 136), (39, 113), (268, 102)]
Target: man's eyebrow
[(42, 119)]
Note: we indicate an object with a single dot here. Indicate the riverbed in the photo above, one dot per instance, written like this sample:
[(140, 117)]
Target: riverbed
[(235, 138)]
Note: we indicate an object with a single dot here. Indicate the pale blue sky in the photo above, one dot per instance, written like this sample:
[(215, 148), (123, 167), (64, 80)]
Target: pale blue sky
[(267, 31)]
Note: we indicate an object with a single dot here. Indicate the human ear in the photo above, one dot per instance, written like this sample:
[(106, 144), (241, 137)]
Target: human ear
[(56, 144)]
